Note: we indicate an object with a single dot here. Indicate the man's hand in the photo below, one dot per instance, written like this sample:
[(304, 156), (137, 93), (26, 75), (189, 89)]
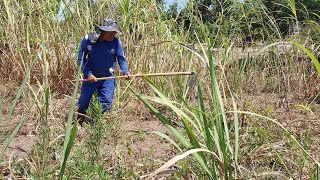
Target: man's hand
[(127, 76), (92, 78)]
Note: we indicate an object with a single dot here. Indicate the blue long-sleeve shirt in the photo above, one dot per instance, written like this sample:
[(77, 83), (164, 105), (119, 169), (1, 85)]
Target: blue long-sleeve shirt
[(101, 57)]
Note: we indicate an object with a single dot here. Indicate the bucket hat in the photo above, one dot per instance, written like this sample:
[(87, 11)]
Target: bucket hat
[(109, 25)]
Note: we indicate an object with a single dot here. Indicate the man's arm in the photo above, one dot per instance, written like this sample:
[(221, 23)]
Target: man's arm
[(82, 50), (82, 57), (121, 60)]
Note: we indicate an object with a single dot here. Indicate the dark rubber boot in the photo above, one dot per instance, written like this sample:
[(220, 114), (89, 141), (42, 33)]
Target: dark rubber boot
[(81, 118)]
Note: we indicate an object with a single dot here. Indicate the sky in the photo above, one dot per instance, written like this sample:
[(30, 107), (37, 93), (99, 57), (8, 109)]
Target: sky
[(181, 3), (60, 16)]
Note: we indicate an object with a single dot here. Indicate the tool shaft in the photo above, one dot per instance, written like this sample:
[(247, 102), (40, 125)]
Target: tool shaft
[(142, 75)]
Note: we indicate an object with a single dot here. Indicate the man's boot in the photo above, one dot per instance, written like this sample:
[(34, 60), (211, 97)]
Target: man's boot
[(81, 118)]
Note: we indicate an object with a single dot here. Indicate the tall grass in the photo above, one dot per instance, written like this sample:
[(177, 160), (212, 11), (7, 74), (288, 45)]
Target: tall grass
[(227, 68), (7, 137), (208, 128), (88, 161)]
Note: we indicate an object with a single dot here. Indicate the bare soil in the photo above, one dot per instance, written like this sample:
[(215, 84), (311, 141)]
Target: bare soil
[(139, 149)]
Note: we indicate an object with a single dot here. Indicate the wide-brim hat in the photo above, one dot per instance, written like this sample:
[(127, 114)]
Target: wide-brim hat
[(109, 25)]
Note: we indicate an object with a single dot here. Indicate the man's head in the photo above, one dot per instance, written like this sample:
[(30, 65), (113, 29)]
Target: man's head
[(108, 29)]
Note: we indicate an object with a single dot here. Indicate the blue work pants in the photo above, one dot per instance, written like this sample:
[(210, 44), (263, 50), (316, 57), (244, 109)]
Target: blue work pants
[(105, 90)]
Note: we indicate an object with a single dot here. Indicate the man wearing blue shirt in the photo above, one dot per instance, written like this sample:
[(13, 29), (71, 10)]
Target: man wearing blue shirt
[(98, 52)]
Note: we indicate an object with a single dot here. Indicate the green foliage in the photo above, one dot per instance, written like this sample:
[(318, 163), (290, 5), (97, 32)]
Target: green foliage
[(252, 19), (96, 132), (310, 55), (208, 126), (158, 41), (89, 160), (70, 131)]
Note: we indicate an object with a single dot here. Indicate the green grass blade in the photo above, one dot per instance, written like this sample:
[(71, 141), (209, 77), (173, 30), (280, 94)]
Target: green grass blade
[(196, 121), (172, 129), (71, 131), (311, 56), (206, 124), (163, 100), (292, 5), (192, 137), (236, 134), (179, 157), (185, 118), (66, 153), (14, 133), (164, 120), (14, 103), (222, 128)]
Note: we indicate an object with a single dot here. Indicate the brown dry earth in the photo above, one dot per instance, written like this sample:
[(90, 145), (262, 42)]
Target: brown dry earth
[(136, 147), (130, 136)]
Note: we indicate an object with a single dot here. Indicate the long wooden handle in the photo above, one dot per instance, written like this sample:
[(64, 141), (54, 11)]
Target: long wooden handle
[(142, 75)]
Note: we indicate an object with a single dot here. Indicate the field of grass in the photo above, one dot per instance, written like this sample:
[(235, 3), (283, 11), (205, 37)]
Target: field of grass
[(251, 111)]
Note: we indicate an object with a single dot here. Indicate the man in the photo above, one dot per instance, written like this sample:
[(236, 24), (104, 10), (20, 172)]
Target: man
[(98, 53)]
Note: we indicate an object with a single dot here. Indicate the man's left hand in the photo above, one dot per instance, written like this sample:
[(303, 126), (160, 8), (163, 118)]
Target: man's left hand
[(127, 76)]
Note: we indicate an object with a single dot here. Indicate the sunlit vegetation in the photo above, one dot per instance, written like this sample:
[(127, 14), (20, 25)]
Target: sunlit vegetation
[(250, 111)]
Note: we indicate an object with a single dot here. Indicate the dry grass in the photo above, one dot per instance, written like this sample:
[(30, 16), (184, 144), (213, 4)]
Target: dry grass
[(280, 82)]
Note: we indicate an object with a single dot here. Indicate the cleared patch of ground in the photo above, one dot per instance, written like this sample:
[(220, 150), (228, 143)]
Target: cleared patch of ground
[(129, 141)]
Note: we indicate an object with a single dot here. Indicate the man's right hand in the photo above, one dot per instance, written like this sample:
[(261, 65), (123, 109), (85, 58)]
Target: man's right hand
[(92, 78)]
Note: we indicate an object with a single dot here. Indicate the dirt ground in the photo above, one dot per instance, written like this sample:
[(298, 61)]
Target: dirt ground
[(292, 114), (130, 135), (140, 149)]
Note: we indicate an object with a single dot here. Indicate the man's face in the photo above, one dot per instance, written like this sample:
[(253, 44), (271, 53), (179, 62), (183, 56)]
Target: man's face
[(107, 35)]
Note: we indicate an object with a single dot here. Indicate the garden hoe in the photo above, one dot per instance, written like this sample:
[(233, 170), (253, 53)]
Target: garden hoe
[(190, 84)]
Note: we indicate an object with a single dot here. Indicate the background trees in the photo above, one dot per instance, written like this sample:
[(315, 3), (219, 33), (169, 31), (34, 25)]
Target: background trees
[(248, 19)]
